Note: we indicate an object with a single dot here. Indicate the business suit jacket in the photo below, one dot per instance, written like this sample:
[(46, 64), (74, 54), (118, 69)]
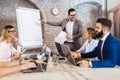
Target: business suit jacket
[(77, 30), (110, 51)]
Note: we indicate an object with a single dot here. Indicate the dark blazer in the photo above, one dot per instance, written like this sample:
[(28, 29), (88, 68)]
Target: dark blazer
[(77, 29), (110, 51)]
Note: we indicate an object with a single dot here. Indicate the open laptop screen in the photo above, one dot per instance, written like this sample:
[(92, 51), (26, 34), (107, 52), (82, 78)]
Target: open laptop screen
[(67, 52)]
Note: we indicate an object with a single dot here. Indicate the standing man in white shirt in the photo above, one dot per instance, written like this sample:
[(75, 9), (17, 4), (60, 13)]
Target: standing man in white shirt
[(73, 29)]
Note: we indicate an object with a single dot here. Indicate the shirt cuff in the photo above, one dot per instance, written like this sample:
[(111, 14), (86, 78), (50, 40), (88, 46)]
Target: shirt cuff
[(9, 59), (90, 63), (79, 55)]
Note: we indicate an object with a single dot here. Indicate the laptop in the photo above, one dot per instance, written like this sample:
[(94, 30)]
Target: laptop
[(43, 53), (68, 54), (41, 67)]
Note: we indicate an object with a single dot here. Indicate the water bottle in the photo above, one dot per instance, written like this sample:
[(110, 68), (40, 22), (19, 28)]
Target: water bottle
[(55, 59)]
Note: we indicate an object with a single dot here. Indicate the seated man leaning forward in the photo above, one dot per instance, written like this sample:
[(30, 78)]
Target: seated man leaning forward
[(107, 50)]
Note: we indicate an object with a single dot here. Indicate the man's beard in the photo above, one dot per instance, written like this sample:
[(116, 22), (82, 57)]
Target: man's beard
[(99, 35)]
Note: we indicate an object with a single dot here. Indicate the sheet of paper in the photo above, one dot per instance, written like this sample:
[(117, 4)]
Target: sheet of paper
[(61, 37)]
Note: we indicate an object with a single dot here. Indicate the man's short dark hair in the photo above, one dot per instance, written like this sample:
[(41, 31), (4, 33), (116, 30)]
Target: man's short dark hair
[(70, 10), (105, 22)]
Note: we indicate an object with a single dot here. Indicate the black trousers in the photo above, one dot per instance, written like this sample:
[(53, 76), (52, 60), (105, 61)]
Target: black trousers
[(59, 49), (73, 47)]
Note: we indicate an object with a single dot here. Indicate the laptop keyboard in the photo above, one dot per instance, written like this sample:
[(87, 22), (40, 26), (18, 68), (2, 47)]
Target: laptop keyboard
[(40, 68)]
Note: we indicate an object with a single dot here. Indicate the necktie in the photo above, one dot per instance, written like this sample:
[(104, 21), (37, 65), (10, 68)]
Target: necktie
[(101, 55)]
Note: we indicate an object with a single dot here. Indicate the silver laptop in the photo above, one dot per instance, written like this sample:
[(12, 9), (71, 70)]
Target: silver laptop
[(68, 54), (41, 67)]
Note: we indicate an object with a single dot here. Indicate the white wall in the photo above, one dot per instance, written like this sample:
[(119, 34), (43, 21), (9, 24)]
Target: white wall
[(112, 3)]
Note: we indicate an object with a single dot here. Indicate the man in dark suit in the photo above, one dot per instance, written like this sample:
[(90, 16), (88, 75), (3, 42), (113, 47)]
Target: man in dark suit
[(107, 51), (73, 29)]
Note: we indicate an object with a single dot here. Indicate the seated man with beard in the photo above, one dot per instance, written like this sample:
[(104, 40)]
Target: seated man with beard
[(107, 50)]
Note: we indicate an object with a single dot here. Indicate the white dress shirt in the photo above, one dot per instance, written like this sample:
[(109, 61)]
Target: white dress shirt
[(69, 29), (104, 38), (88, 46), (6, 50)]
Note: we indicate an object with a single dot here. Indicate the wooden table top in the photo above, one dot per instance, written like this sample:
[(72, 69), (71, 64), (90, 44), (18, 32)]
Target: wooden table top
[(66, 71)]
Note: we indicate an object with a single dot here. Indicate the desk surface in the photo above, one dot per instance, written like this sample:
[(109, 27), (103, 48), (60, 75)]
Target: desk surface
[(65, 71)]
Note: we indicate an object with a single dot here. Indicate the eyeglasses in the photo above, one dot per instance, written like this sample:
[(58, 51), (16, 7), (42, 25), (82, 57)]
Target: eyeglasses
[(73, 15), (12, 31)]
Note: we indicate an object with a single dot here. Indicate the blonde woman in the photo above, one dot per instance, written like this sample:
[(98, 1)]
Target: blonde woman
[(7, 51)]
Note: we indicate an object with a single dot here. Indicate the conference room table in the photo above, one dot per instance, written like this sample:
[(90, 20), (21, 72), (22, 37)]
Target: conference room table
[(66, 71)]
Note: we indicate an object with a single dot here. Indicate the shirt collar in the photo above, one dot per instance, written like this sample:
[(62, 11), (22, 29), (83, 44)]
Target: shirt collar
[(90, 41), (104, 38), (70, 20)]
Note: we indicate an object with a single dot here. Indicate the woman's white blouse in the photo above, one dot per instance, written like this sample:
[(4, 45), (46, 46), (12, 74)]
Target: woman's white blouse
[(88, 47), (6, 50)]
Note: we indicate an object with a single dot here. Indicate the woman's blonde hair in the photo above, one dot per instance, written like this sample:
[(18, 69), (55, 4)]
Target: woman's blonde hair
[(5, 31)]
